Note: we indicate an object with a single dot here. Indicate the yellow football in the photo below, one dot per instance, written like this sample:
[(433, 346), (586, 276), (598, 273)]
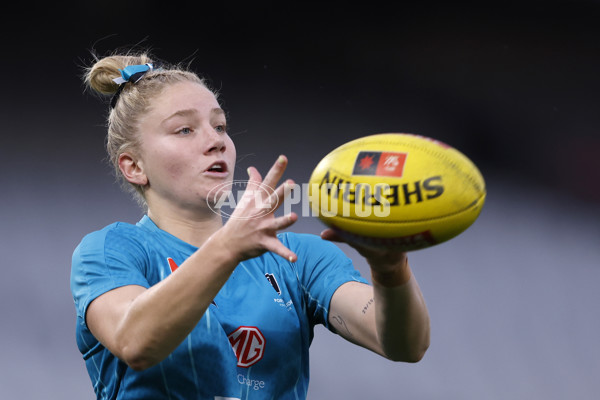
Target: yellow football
[(397, 190)]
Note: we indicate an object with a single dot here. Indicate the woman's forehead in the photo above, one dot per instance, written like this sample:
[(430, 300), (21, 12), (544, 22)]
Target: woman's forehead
[(185, 96)]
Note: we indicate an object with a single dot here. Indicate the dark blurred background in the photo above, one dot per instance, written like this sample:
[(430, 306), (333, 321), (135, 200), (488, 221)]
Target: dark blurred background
[(513, 85)]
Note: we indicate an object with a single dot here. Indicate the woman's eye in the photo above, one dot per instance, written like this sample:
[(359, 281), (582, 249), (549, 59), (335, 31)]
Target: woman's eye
[(220, 128), (185, 131)]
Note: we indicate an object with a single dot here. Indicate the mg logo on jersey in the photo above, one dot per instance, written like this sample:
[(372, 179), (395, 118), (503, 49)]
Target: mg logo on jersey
[(248, 344)]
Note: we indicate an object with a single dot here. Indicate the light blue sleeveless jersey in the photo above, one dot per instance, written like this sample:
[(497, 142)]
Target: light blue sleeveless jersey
[(253, 340)]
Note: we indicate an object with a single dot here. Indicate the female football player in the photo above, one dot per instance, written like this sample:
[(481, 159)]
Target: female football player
[(182, 305)]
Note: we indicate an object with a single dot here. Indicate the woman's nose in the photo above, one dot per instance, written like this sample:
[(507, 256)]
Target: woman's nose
[(215, 142)]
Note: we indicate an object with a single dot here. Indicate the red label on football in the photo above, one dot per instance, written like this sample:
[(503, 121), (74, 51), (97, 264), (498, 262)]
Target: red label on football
[(379, 163)]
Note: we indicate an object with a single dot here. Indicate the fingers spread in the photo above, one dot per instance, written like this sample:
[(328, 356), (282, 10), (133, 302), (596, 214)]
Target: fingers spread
[(276, 172), (256, 224)]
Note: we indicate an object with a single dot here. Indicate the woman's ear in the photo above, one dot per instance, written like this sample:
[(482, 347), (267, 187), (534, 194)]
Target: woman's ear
[(132, 169)]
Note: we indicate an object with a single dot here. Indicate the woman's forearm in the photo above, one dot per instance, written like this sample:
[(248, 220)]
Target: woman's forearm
[(401, 316), (160, 318)]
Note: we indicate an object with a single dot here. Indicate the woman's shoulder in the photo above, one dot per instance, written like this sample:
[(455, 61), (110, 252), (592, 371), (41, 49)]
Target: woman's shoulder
[(116, 232)]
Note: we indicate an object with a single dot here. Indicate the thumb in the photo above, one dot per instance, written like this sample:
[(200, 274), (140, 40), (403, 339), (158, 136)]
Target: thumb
[(331, 235)]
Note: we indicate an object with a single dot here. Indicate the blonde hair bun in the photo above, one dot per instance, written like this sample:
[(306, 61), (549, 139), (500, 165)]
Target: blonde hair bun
[(100, 76)]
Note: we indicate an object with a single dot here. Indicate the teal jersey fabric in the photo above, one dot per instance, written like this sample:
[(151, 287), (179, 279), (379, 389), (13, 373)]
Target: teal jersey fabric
[(251, 343)]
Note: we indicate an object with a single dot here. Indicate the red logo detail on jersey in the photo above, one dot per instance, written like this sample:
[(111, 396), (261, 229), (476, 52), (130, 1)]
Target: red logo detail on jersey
[(248, 344), (172, 264)]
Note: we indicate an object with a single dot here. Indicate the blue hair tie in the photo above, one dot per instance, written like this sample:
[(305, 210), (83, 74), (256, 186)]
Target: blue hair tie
[(131, 73)]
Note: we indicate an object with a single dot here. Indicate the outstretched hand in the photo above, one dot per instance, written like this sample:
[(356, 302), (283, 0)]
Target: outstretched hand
[(252, 228)]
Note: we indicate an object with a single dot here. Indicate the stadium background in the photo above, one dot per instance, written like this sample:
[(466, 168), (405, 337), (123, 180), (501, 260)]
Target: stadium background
[(513, 301)]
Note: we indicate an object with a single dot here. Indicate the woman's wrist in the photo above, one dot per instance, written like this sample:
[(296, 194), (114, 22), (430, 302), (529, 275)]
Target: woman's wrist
[(392, 277), (222, 248)]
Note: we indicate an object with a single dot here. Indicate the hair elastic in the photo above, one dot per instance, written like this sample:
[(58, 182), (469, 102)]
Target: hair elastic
[(131, 73)]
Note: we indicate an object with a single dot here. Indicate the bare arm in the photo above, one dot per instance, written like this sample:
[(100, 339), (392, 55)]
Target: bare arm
[(142, 326), (390, 317)]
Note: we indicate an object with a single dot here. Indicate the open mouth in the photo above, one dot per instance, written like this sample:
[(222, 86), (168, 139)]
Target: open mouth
[(218, 167)]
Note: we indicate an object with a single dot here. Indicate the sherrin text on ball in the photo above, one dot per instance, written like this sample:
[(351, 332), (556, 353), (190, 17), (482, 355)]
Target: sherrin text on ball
[(397, 190)]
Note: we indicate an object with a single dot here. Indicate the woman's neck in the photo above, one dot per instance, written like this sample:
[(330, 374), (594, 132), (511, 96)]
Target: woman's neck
[(192, 228)]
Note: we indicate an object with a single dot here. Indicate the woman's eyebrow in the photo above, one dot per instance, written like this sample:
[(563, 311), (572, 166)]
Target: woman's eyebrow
[(217, 110), (180, 113), (190, 112)]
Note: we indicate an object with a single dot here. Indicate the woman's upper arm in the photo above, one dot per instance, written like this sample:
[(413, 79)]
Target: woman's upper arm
[(105, 313), (352, 316)]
